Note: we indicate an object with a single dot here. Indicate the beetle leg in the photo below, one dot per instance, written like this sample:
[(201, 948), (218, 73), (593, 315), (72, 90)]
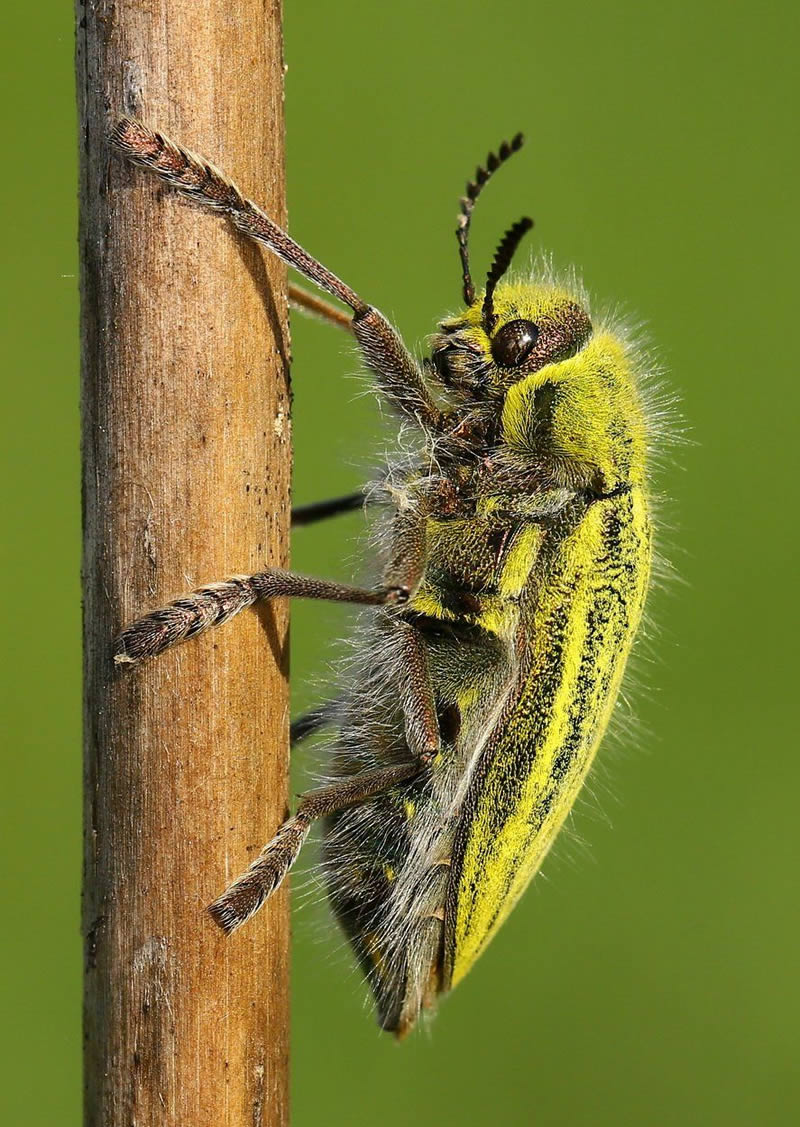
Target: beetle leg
[(407, 562), (416, 695), (320, 510), (399, 375), (216, 603), (319, 308), (416, 690), (249, 891), (309, 722)]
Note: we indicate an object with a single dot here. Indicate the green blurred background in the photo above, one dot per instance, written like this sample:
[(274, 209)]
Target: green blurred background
[(649, 976)]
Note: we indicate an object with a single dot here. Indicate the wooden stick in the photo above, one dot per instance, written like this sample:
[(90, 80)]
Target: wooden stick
[(186, 445)]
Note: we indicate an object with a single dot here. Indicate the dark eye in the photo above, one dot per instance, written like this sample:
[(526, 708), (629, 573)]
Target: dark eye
[(513, 343)]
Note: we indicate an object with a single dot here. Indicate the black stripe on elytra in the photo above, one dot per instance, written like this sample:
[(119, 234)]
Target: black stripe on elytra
[(607, 619), (604, 622), (520, 755)]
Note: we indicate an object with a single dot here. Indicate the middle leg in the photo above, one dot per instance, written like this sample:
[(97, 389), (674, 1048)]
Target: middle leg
[(212, 605), (321, 510), (310, 722)]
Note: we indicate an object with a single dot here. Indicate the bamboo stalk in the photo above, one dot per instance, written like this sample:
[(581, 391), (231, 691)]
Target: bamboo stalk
[(186, 447)]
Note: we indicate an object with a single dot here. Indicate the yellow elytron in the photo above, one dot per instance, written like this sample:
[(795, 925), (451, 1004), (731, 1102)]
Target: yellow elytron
[(515, 546)]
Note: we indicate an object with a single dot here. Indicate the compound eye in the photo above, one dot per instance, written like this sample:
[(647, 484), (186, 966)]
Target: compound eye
[(514, 342)]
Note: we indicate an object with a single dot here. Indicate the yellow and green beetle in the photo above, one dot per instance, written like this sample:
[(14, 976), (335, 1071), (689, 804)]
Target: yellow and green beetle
[(515, 538)]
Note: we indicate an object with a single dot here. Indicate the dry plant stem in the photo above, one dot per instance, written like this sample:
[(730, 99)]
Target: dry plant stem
[(186, 447)]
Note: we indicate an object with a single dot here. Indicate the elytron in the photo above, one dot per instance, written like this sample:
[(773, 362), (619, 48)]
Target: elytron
[(516, 547)]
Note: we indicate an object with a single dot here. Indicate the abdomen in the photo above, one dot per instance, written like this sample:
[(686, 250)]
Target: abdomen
[(585, 606)]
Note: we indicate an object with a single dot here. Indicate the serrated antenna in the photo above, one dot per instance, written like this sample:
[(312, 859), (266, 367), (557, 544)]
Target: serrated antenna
[(502, 260), (474, 188)]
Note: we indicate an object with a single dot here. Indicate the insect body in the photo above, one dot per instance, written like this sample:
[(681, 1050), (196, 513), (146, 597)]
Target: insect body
[(516, 545)]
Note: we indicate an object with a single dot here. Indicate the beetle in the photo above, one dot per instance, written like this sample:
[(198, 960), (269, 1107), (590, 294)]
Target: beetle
[(515, 543)]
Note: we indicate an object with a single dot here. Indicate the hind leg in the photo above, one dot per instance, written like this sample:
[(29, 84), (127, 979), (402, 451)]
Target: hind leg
[(257, 883)]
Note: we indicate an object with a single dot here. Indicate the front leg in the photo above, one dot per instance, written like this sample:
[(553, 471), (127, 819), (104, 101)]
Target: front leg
[(399, 376)]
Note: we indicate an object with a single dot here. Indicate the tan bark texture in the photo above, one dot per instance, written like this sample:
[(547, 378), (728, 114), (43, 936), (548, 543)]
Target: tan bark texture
[(186, 444)]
